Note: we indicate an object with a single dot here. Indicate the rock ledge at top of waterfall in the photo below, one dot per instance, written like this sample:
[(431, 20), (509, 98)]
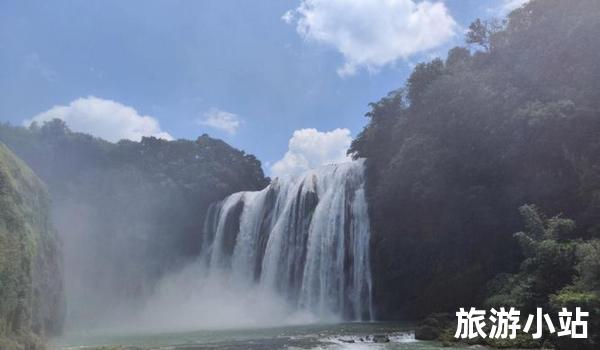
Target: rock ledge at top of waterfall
[(303, 237)]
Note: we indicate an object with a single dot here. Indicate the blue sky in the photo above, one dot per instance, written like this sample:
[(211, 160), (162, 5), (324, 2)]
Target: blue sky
[(233, 69)]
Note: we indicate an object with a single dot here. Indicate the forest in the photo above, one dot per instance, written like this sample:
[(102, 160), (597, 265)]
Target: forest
[(509, 121)]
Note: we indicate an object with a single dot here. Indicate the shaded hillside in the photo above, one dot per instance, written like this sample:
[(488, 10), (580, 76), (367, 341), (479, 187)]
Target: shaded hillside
[(511, 120), (31, 283), (128, 212)]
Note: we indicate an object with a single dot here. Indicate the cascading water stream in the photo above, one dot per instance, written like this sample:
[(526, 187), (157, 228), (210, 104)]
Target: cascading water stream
[(304, 238)]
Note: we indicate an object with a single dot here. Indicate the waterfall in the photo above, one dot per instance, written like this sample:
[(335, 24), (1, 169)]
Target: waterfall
[(305, 238)]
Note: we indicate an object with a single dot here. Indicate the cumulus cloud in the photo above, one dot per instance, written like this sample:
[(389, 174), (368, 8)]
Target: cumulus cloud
[(106, 119), (310, 148), (221, 120), (372, 34)]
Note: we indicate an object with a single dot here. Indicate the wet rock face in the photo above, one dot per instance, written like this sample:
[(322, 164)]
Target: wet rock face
[(381, 338), (426, 332)]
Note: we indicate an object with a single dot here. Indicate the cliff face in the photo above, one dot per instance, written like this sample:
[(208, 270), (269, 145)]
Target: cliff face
[(31, 280)]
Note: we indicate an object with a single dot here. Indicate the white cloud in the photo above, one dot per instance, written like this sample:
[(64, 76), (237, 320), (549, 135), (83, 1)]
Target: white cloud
[(221, 120), (375, 33), (106, 119), (509, 5), (310, 148)]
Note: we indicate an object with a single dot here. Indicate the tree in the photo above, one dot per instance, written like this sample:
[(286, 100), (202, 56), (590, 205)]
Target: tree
[(421, 78), (482, 33)]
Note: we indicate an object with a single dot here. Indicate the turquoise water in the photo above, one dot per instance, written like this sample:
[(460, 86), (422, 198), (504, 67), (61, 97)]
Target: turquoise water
[(319, 337)]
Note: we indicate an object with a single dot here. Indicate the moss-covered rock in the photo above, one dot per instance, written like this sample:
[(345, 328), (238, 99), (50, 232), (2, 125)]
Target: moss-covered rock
[(31, 283), (434, 326)]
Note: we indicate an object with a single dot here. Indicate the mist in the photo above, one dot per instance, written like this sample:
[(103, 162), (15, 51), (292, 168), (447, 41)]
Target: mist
[(128, 214), (197, 299), (112, 287)]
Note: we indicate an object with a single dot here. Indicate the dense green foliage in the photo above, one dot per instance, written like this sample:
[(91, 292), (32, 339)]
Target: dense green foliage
[(31, 285), (128, 212), (513, 119), (558, 271), (547, 253)]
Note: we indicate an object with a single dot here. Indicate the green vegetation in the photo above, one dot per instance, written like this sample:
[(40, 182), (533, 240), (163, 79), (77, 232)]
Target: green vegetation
[(512, 119), (549, 265), (128, 212), (31, 285), (558, 271)]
